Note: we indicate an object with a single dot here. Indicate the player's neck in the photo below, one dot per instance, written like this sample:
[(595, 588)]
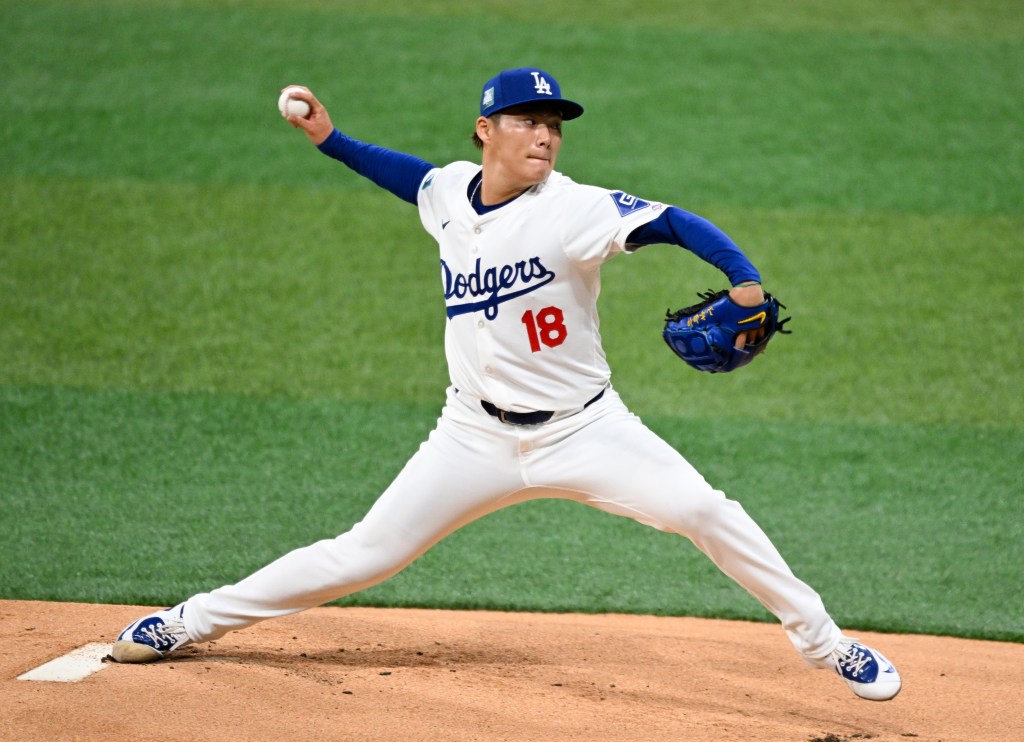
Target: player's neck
[(498, 195), (473, 194), (497, 187)]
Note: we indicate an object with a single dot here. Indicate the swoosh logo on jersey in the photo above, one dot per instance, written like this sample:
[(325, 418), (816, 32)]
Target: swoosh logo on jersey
[(758, 318), (445, 223), (496, 284)]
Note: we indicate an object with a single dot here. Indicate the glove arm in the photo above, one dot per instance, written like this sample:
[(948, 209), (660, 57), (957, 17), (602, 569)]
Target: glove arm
[(698, 235)]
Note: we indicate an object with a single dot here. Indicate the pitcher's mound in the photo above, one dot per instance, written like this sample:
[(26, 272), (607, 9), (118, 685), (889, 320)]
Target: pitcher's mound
[(404, 674)]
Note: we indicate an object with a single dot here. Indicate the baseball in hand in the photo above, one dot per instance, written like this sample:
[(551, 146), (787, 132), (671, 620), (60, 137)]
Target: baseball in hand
[(289, 106)]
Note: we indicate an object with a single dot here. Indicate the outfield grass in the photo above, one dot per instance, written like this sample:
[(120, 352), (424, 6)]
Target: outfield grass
[(216, 344), (141, 497)]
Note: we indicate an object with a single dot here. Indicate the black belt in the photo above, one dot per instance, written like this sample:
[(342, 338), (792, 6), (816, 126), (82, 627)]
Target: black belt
[(527, 418)]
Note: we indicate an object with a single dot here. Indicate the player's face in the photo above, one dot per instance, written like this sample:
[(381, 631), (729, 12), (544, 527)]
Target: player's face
[(525, 144)]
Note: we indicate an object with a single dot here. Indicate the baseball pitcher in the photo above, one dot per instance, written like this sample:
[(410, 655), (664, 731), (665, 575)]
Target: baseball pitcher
[(531, 411)]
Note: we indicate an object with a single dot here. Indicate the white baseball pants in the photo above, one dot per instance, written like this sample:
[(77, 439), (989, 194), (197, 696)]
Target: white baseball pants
[(472, 464)]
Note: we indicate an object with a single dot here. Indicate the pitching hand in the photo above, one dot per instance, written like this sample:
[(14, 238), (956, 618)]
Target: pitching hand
[(318, 124)]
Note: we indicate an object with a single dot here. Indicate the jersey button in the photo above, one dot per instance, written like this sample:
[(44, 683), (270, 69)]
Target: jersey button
[(480, 324), (477, 230), (488, 370)]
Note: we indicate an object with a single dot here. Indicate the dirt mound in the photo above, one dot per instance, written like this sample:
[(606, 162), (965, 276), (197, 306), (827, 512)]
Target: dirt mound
[(376, 674)]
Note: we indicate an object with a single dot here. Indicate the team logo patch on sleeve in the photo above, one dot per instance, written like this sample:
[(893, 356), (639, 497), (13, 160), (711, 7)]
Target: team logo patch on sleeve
[(627, 204)]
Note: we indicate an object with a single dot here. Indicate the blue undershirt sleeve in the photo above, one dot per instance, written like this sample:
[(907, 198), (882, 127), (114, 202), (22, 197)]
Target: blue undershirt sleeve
[(394, 171), (678, 227)]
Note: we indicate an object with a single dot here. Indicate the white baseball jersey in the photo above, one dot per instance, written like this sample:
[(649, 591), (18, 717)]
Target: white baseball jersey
[(521, 286)]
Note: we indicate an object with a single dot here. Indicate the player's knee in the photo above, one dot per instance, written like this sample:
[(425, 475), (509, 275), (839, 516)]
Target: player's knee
[(365, 559)]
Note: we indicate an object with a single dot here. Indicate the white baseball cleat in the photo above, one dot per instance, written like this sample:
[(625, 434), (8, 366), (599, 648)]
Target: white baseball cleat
[(152, 637), (868, 673)]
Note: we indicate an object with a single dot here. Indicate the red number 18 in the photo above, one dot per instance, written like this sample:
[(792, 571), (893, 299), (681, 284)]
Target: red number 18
[(547, 327)]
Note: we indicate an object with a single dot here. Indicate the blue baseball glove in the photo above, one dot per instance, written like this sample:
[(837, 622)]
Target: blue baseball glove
[(704, 335)]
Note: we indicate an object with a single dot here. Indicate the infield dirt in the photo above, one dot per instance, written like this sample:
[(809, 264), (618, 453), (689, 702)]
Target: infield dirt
[(405, 674)]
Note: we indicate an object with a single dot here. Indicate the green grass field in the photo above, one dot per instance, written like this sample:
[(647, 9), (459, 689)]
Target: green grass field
[(217, 344)]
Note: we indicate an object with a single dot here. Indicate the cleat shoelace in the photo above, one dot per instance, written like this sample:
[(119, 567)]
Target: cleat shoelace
[(164, 634), (853, 661)]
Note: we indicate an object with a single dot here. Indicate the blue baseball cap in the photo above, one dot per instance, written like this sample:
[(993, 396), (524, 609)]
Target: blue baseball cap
[(525, 85)]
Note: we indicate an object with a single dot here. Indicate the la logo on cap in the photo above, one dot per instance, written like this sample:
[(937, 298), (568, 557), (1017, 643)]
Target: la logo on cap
[(541, 85)]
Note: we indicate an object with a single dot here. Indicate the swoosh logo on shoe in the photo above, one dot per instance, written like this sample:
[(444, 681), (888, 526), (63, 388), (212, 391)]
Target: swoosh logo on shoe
[(884, 665)]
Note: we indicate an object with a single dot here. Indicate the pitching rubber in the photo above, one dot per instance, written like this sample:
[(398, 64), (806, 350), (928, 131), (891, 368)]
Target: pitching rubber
[(133, 653)]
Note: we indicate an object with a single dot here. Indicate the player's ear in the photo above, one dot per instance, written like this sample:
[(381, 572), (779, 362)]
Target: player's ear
[(484, 126)]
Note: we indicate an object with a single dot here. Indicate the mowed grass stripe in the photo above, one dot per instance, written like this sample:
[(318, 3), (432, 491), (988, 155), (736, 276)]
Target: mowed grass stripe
[(317, 293), (833, 119), (147, 497)]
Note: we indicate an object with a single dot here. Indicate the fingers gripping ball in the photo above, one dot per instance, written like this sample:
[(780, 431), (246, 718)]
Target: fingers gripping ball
[(289, 106), (704, 335)]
